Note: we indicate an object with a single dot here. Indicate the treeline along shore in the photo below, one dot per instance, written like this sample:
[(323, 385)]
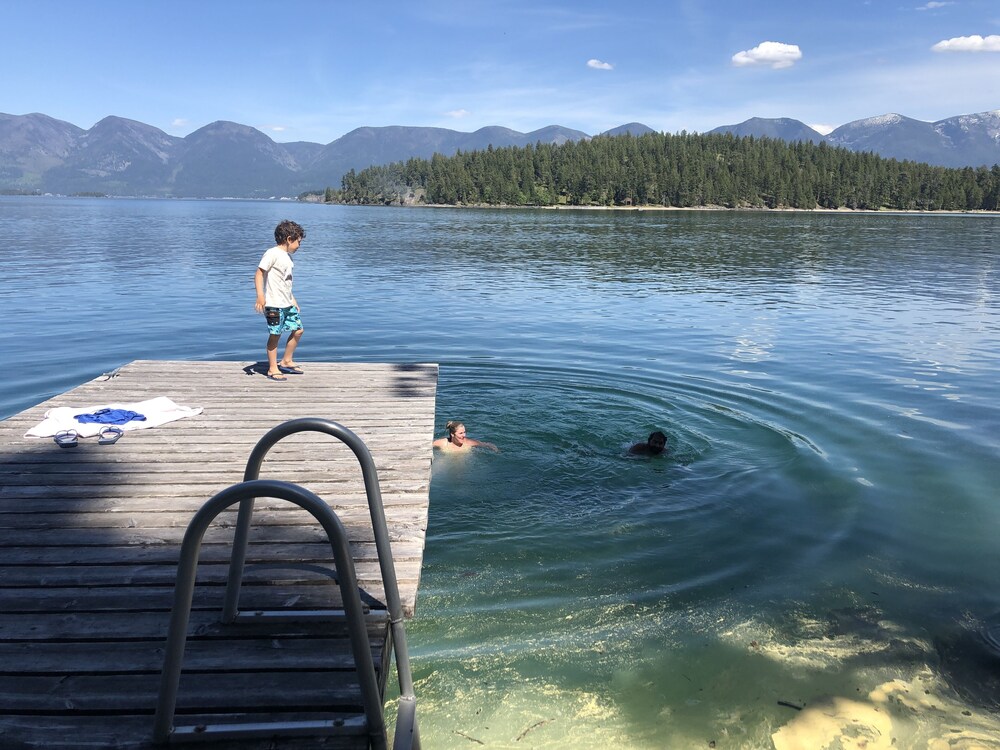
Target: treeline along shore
[(680, 170)]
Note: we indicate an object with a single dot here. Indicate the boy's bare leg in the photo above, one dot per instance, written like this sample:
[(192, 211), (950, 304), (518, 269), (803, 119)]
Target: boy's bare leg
[(272, 355), (293, 341)]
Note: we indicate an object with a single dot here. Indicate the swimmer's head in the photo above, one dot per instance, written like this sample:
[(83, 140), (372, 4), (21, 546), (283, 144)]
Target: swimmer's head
[(657, 442), (456, 433)]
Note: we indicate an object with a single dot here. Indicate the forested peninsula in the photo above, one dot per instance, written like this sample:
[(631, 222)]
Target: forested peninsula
[(675, 170)]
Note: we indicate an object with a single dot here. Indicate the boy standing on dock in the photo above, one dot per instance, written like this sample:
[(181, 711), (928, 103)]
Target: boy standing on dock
[(273, 281)]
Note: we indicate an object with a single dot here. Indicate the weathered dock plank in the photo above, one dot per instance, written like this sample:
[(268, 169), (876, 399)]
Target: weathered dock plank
[(90, 538)]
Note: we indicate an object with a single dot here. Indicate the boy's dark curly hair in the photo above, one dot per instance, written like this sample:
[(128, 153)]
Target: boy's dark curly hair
[(288, 231)]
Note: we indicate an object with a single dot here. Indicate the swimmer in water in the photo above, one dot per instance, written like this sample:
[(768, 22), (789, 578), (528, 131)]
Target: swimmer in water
[(457, 440), (654, 446)]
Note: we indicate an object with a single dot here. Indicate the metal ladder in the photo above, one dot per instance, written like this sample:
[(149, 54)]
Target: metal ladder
[(406, 734)]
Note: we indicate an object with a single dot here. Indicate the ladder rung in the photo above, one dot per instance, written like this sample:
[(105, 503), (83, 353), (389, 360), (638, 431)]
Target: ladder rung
[(295, 614), (207, 732)]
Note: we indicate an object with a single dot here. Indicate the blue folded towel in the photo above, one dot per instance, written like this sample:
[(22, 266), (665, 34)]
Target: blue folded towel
[(111, 416)]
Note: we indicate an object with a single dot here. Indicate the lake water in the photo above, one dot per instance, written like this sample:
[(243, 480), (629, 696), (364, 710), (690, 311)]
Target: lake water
[(815, 558)]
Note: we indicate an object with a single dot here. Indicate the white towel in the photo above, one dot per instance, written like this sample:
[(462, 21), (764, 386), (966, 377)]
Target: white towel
[(157, 411)]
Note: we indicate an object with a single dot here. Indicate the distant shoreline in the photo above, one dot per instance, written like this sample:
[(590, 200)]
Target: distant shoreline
[(486, 206), (748, 209)]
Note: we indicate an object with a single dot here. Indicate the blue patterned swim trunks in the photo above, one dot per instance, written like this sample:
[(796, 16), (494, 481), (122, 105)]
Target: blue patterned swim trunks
[(281, 319)]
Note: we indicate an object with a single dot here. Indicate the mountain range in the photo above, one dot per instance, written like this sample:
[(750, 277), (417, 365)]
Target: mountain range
[(962, 141), (123, 157)]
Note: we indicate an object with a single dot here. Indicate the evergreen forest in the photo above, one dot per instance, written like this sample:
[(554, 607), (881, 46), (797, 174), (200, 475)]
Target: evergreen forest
[(681, 170)]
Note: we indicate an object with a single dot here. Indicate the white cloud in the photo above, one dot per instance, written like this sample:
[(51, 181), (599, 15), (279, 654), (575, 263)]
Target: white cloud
[(276, 128), (974, 43), (822, 129), (934, 6), (775, 54), (599, 65), (458, 113), (179, 122)]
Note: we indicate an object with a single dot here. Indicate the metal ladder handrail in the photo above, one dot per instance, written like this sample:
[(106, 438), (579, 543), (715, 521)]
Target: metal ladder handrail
[(371, 698), (407, 734)]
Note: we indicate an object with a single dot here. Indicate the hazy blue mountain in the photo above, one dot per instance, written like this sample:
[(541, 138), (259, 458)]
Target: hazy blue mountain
[(965, 140), (30, 145), (554, 134), (782, 128), (117, 157), (226, 159), (974, 139), (893, 136), (962, 141), (303, 152), (124, 157), (632, 128), (366, 147)]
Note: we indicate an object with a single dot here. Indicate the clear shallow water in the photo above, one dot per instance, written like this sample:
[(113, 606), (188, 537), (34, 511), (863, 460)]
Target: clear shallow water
[(823, 532)]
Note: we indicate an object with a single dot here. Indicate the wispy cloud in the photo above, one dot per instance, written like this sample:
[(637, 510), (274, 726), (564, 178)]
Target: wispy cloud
[(974, 43), (179, 122), (276, 128), (458, 113), (599, 65), (934, 6), (775, 54)]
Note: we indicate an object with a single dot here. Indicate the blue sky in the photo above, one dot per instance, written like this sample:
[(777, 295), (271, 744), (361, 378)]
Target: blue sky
[(301, 70)]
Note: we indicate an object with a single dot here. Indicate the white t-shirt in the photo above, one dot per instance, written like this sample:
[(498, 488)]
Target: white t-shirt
[(277, 267)]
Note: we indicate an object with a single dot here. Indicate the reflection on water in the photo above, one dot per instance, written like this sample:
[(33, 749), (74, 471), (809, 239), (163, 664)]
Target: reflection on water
[(815, 557)]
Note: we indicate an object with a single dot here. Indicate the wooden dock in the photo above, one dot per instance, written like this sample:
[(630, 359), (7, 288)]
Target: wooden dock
[(89, 538)]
